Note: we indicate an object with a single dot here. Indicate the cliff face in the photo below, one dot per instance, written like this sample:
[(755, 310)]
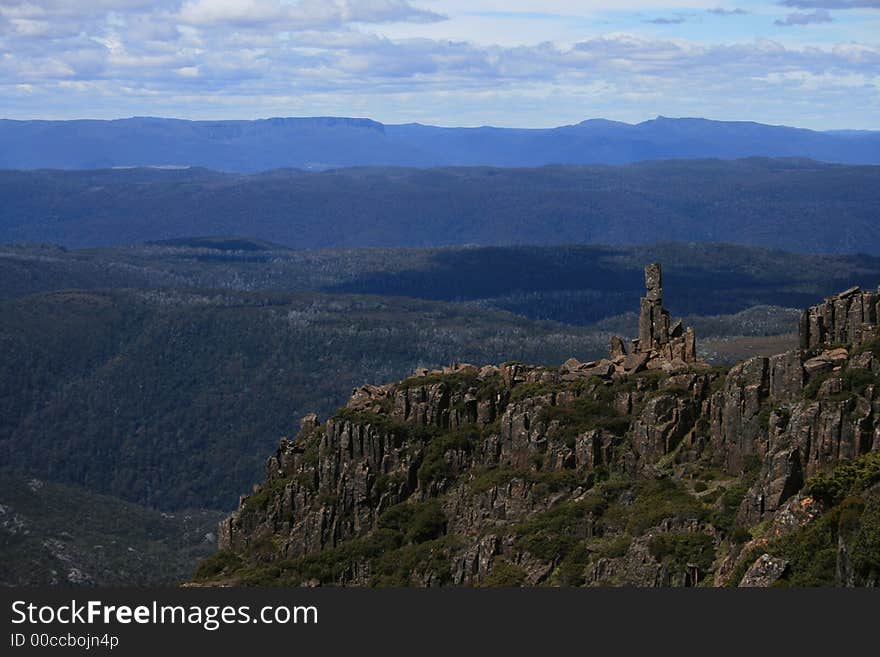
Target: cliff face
[(647, 468)]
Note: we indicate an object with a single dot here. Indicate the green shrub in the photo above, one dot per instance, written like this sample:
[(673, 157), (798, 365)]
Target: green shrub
[(456, 382), (398, 567), (855, 382), (384, 424), (847, 477), (673, 391), (384, 483), (659, 499), (416, 523), (767, 409), (612, 547), (328, 499), (857, 379), (219, 563), (681, 549), (872, 345), (427, 523), (311, 450), (718, 378), (504, 574), (532, 390), (582, 415), (570, 571), (812, 550), (811, 391), (728, 504), (865, 544), (740, 535), (552, 534), (260, 500), (434, 466), (551, 481), (327, 566)]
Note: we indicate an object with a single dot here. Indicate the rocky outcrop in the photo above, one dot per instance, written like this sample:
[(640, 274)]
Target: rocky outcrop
[(661, 342), (661, 345), (846, 318), (806, 436), (491, 456), (766, 571), (640, 566)]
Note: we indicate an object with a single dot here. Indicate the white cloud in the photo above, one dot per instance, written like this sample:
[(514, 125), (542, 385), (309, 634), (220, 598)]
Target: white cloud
[(246, 57), (306, 14), (806, 18), (832, 4)]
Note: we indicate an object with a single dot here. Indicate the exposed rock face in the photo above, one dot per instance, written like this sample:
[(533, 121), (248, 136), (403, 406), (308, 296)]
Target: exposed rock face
[(335, 480), (734, 414), (765, 572), (803, 436), (661, 344), (493, 448), (846, 318)]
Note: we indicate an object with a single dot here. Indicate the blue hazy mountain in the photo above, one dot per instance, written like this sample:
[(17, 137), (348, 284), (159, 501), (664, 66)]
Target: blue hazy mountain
[(327, 142)]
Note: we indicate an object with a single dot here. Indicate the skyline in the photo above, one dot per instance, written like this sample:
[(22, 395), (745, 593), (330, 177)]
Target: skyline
[(804, 63)]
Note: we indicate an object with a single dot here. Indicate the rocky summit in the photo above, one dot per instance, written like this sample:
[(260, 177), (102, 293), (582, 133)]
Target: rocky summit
[(647, 468)]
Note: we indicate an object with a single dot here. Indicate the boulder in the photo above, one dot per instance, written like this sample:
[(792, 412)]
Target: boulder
[(766, 571), (635, 362), (837, 356), (817, 365), (308, 423), (487, 371), (601, 370), (571, 365)]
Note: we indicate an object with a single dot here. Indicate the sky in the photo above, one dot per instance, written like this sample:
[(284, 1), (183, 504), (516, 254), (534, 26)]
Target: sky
[(512, 63)]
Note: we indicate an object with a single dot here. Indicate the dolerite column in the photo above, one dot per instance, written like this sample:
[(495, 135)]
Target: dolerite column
[(804, 330), (653, 322), (646, 332)]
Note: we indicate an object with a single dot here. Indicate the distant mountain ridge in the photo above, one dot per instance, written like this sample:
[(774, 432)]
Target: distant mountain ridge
[(320, 143)]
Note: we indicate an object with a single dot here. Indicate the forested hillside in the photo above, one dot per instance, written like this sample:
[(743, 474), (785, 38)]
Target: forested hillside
[(572, 284), (52, 534), (171, 398), (795, 205)]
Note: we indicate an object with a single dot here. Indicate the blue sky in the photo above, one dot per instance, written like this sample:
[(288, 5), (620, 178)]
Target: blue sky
[(809, 63)]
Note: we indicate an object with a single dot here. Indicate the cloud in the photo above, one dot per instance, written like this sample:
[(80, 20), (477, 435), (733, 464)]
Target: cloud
[(259, 57), (307, 14), (667, 21), (831, 4), (804, 18), (348, 59), (720, 11), (57, 18)]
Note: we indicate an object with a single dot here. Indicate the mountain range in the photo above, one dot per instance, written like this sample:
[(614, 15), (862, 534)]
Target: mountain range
[(319, 143)]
